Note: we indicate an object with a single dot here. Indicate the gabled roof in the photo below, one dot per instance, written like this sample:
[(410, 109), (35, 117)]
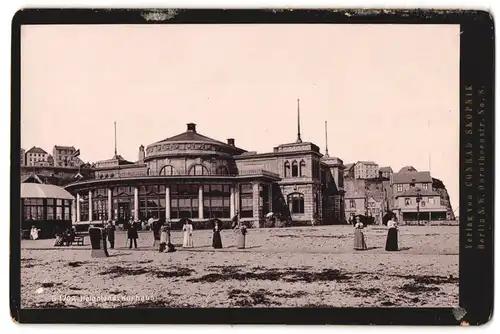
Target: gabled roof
[(348, 166), (386, 169), (35, 149), (64, 147), (409, 177), (412, 192)]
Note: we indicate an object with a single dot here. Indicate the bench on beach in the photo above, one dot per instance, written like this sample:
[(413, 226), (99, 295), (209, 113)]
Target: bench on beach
[(78, 240)]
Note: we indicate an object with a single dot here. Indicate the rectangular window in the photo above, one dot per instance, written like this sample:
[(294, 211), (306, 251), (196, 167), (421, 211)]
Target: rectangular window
[(246, 200), (400, 188), (352, 204), (431, 200), (424, 186), (407, 201)]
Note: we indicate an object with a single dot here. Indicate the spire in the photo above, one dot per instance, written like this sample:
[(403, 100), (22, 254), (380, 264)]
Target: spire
[(116, 152), (326, 139), (299, 140)]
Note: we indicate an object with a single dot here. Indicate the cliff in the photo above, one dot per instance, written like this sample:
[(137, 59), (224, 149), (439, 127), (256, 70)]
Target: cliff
[(439, 187)]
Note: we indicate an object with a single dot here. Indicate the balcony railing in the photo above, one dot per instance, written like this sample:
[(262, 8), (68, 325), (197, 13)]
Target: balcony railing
[(120, 174)]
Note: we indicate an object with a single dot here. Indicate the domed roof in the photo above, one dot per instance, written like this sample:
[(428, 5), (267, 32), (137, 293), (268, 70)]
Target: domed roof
[(37, 190), (191, 136), (191, 142), (408, 169)]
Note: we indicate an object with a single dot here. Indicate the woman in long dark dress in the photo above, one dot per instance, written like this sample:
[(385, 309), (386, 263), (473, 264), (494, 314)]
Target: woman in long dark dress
[(217, 241), (391, 244)]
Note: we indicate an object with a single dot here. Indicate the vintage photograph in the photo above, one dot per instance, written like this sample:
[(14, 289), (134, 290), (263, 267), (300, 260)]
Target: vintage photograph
[(240, 165)]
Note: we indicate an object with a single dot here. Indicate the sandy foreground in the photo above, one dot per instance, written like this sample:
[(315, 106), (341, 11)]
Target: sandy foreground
[(287, 267)]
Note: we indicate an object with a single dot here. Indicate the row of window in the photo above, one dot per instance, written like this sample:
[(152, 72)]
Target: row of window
[(46, 209), (295, 169), (409, 201), (184, 202), (194, 170), (399, 187)]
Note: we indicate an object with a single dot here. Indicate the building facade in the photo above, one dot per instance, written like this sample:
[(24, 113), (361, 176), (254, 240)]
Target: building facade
[(64, 156), (36, 156), (408, 185), (193, 176), (23, 157), (366, 170), (385, 172)]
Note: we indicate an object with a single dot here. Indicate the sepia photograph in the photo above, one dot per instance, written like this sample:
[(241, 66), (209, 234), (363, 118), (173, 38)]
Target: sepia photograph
[(239, 166)]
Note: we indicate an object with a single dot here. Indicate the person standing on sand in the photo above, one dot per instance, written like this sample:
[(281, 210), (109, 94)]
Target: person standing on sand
[(391, 244), (188, 235), (156, 228), (132, 234), (164, 237), (216, 240), (359, 237), (110, 229)]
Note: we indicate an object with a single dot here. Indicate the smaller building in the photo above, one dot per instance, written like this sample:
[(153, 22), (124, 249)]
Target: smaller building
[(45, 206), (36, 156), (375, 209), (366, 170), (65, 156), (385, 172), (349, 170), (23, 156), (428, 209)]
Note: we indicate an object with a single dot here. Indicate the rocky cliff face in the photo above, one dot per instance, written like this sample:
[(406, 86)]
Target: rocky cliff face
[(439, 187)]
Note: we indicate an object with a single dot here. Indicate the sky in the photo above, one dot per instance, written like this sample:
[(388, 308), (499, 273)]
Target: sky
[(390, 93)]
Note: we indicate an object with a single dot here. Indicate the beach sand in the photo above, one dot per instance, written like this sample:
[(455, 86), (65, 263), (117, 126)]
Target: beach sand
[(286, 267)]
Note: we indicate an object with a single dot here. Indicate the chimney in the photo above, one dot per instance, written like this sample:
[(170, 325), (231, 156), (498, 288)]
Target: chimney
[(230, 141), (191, 127)]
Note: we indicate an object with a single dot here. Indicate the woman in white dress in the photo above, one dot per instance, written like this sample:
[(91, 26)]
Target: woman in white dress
[(34, 233), (188, 235)]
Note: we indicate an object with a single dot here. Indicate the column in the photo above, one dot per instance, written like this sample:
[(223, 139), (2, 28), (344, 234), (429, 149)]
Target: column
[(78, 199), (90, 206), (136, 204), (200, 202), (237, 197), (110, 204), (167, 203), (255, 203), (270, 194), (73, 211), (232, 209)]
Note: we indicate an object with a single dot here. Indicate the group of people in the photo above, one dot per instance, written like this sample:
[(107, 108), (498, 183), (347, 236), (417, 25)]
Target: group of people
[(391, 244), (66, 237)]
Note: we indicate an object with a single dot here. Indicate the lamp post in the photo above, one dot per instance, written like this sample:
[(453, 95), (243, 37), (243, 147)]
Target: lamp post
[(419, 199)]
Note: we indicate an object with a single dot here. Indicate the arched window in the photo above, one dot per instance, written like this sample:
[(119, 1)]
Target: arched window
[(148, 172), (222, 170), (295, 169), (296, 203), (167, 170), (198, 170), (287, 169), (302, 168)]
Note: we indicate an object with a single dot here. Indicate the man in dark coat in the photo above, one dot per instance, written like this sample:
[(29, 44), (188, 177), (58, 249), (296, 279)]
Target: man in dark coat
[(132, 234), (110, 230)]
